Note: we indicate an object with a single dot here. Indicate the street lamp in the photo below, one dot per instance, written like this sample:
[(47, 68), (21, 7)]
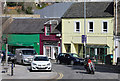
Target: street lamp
[(85, 28)]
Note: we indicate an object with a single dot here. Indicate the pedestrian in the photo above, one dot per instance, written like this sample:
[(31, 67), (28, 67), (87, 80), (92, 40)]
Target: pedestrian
[(55, 55), (3, 58)]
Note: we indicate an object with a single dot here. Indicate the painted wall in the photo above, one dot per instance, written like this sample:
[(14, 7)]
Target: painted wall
[(117, 41), (69, 36), (24, 40)]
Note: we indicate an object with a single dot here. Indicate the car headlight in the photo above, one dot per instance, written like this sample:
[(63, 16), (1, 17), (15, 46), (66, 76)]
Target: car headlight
[(34, 63), (48, 64), (26, 59)]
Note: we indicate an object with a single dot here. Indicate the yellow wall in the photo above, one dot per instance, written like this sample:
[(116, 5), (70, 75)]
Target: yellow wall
[(69, 36)]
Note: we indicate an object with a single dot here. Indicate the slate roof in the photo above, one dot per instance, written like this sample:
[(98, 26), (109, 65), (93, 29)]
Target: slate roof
[(30, 25), (4, 19), (93, 9), (55, 10)]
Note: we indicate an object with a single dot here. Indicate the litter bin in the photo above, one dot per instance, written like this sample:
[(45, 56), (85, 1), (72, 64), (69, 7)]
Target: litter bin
[(109, 59)]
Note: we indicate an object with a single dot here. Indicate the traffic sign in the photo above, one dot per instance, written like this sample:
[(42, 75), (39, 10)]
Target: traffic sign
[(84, 38)]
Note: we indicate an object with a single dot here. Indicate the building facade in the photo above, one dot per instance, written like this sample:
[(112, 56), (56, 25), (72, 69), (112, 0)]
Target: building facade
[(41, 34), (99, 30)]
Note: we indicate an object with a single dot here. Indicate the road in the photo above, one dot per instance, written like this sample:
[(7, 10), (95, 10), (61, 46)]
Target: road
[(78, 72), (64, 72)]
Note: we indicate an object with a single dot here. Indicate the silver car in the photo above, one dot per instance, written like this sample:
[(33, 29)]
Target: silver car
[(24, 55)]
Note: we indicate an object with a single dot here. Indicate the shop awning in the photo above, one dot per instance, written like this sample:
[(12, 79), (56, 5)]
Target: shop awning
[(21, 44), (97, 46)]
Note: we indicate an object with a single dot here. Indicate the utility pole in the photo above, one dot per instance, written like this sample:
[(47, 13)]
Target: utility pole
[(115, 31), (6, 61), (0, 26), (85, 28)]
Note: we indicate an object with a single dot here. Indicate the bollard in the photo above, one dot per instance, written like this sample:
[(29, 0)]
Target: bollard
[(12, 69)]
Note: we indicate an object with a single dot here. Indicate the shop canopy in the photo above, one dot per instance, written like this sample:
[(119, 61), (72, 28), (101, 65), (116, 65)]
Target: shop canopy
[(97, 46)]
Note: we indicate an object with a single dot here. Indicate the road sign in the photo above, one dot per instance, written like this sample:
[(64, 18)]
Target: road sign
[(84, 38)]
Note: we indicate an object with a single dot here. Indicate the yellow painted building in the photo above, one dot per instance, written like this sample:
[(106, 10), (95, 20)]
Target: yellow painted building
[(99, 31)]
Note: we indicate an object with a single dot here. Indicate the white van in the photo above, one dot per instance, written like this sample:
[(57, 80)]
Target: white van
[(24, 55)]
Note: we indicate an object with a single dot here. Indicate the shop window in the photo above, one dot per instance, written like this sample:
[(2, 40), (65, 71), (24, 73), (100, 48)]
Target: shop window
[(68, 48)]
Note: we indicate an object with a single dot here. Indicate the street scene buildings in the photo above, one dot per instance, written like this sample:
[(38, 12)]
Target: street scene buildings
[(87, 29), (99, 29)]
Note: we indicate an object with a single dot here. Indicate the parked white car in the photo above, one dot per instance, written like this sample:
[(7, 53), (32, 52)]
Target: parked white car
[(41, 62)]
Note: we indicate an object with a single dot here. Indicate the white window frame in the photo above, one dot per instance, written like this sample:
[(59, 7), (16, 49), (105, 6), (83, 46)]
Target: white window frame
[(46, 31), (102, 27), (89, 27), (75, 26)]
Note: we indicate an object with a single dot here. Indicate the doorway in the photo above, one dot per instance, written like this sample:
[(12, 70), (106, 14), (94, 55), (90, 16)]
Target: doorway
[(50, 51)]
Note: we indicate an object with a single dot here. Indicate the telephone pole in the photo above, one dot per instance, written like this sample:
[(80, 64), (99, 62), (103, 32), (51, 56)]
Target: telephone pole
[(85, 37)]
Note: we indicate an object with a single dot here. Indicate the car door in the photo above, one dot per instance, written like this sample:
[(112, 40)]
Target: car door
[(62, 56), (67, 58)]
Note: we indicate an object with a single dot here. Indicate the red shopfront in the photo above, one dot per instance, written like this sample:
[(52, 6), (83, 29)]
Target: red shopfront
[(49, 45)]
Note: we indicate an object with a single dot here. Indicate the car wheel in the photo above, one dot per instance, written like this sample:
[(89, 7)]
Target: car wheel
[(72, 62), (58, 61), (22, 62), (30, 70)]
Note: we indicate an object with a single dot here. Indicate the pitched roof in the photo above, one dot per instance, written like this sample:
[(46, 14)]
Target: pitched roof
[(55, 10), (93, 9), (4, 19), (30, 25)]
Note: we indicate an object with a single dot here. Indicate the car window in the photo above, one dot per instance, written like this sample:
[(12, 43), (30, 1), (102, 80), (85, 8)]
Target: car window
[(75, 55), (67, 55), (41, 59), (62, 54), (29, 52)]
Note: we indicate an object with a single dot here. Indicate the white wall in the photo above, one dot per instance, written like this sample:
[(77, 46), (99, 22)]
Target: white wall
[(117, 50)]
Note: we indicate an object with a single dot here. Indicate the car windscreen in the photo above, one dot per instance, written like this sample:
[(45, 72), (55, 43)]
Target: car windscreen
[(74, 55), (29, 52), (41, 59)]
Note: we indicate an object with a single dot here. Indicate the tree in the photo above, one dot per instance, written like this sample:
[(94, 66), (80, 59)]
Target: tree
[(29, 10), (11, 4)]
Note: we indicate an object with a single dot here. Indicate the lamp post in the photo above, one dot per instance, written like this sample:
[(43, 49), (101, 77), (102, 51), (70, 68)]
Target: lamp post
[(85, 28), (115, 30)]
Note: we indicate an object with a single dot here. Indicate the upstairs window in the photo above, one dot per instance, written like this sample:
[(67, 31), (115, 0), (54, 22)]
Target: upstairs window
[(90, 27), (47, 31), (77, 26), (105, 26)]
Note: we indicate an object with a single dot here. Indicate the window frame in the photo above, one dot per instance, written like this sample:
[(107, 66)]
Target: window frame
[(46, 30), (103, 27), (76, 27), (89, 27)]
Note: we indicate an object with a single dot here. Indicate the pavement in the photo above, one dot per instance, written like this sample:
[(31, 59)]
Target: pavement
[(22, 72), (0, 70)]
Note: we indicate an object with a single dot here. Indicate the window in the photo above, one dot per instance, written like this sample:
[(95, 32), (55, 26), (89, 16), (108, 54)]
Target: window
[(77, 26), (105, 26), (47, 30), (90, 27)]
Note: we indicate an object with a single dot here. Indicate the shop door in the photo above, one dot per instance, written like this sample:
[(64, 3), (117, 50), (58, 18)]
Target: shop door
[(54, 52), (48, 51)]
